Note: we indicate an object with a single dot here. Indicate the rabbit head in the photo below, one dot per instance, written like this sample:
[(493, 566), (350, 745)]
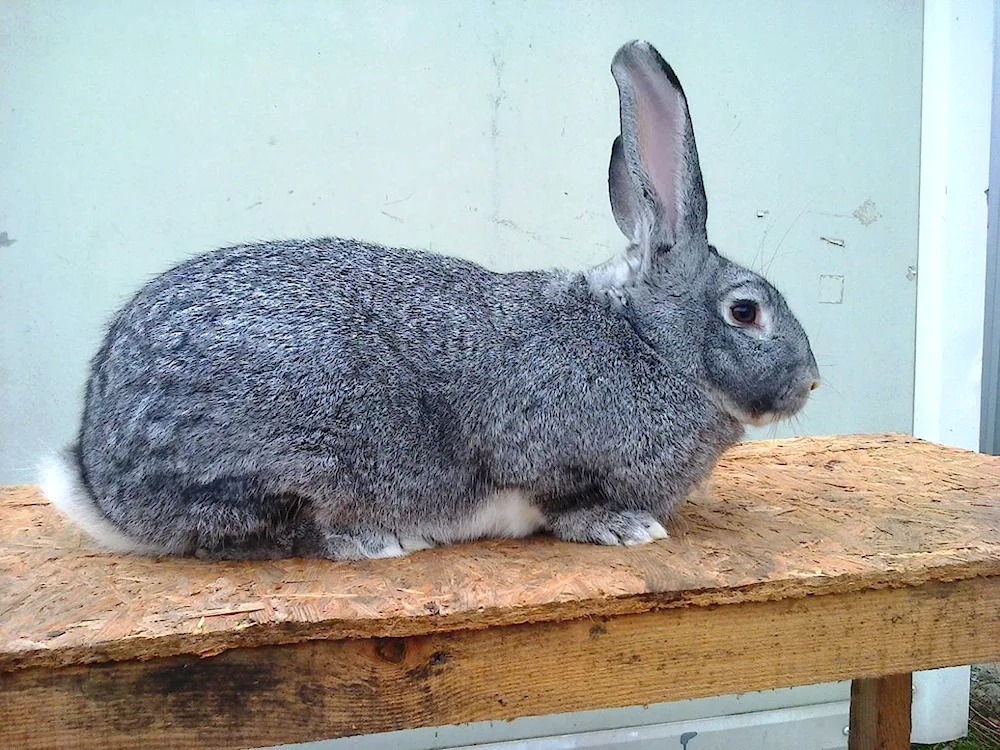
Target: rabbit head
[(705, 315)]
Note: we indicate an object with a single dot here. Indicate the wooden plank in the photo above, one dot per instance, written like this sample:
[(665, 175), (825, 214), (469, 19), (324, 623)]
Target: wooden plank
[(880, 713), (780, 519), (261, 696)]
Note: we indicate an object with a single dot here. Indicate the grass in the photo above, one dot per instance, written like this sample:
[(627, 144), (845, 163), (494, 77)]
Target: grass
[(984, 726), (972, 742)]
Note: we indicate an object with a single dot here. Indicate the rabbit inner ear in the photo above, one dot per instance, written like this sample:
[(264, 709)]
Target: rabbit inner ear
[(658, 143)]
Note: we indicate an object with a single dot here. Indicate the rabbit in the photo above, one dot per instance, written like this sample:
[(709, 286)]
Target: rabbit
[(339, 399)]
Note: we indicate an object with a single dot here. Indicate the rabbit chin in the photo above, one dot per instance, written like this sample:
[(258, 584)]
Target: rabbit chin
[(768, 417), (745, 417)]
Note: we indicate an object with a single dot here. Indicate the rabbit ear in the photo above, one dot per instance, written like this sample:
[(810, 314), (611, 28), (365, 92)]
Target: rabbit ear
[(658, 151), (624, 204)]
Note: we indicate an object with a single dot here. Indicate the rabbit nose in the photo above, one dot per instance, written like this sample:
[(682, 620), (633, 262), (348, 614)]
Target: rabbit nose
[(813, 385)]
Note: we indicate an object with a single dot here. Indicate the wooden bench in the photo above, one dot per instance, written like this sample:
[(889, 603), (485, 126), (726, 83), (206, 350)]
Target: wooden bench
[(802, 561)]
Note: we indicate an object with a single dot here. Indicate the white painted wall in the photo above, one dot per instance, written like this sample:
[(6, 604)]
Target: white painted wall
[(134, 135)]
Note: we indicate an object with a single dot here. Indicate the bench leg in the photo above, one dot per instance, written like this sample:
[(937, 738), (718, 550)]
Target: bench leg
[(880, 713)]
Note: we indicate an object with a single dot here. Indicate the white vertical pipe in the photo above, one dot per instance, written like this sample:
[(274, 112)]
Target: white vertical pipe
[(954, 174)]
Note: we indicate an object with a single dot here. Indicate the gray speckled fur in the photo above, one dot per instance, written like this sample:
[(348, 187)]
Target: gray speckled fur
[(331, 397)]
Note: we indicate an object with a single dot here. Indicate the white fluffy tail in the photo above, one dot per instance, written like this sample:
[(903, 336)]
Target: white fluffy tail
[(63, 486)]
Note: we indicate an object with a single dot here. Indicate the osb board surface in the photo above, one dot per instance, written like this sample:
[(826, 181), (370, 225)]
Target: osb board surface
[(779, 519)]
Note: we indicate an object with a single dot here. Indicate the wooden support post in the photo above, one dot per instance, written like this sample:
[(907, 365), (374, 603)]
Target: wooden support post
[(880, 713)]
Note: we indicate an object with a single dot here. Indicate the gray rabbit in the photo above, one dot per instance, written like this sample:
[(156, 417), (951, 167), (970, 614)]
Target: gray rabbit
[(334, 398)]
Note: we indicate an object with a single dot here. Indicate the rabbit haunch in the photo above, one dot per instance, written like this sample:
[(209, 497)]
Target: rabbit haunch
[(341, 399)]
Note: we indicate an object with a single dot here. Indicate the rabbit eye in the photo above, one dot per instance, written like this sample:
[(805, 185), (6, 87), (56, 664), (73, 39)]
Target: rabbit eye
[(744, 311)]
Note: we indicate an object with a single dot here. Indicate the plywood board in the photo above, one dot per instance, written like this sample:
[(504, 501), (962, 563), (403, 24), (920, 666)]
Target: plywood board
[(779, 520)]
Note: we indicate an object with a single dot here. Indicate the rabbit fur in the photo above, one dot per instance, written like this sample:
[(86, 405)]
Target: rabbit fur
[(340, 399)]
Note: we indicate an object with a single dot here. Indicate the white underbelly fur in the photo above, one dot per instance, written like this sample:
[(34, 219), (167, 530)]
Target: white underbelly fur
[(508, 514)]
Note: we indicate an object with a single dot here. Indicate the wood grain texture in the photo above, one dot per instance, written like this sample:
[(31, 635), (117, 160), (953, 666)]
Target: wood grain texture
[(778, 520), (880, 713), (252, 697)]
